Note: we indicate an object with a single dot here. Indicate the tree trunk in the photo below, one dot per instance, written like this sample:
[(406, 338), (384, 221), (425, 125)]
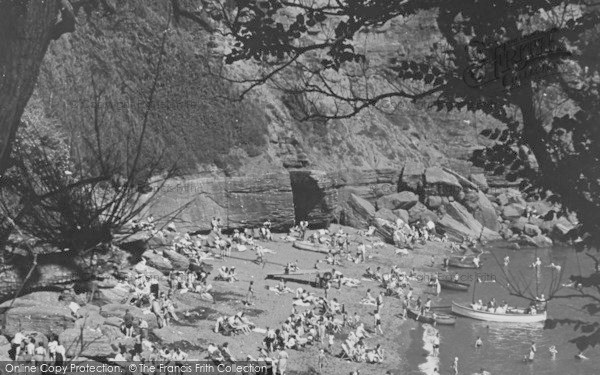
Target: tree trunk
[(26, 29)]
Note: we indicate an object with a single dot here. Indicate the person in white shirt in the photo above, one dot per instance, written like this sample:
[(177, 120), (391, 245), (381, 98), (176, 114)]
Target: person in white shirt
[(16, 344), (30, 348), (40, 354)]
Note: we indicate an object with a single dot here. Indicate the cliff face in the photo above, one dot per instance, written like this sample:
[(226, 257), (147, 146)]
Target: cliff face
[(195, 126)]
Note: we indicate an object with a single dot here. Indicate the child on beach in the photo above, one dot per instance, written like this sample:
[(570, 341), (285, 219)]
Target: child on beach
[(321, 360), (250, 293)]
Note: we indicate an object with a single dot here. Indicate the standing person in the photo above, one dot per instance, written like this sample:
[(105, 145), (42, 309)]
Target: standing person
[(327, 288), (378, 322), (454, 367), (404, 307), (379, 302), (532, 350), (59, 356), (553, 351), (40, 354), (321, 360), (282, 363), (16, 345), (250, 293), (438, 287), (436, 344), (362, 251), (128, 321)]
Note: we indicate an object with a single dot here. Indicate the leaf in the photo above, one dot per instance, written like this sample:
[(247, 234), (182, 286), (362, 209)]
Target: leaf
[(429, 78)]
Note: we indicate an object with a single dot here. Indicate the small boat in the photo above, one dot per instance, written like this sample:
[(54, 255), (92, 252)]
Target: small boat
[(309, 246), (459, 263), (430, 318), (511, 316), (454, 285)]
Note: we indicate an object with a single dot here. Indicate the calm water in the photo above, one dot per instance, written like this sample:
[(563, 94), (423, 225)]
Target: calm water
[(505, 345)]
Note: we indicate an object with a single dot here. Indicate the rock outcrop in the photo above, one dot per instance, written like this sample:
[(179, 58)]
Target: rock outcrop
[(239, 202)]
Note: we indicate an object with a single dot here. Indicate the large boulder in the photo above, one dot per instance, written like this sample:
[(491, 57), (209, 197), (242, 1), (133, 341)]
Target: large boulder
[(513, 211), (402, 214), (89, 342), (460, 213), (386, 214), (482, 209), (433, 202), (179, 261), (518, 225), (412, 176), (46, 319), (440, 182), (457, 231), (384, 229), (240, 202), (480, 180), (420, 213), (404, 200), (358, 212), (532, 230), (156, 260), (118, 310)]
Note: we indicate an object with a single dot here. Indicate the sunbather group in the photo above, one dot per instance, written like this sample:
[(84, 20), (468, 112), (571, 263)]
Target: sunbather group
[(234, 324)]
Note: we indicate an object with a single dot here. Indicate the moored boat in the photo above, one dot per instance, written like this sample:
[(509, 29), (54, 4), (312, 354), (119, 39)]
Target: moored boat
[(430, 318), (454, 285), (459, 263), (309, 246), (511, 316)]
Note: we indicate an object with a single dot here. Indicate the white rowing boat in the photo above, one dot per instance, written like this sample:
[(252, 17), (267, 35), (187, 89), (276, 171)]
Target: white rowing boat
[(494, 317)]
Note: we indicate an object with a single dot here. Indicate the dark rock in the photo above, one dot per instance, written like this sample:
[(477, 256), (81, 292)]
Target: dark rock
[(404, 200), (440, 182), (412, 176), (240, 202), (480, 180)]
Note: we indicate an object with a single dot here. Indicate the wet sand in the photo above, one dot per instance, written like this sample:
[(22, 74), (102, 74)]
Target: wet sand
[(270, 309)]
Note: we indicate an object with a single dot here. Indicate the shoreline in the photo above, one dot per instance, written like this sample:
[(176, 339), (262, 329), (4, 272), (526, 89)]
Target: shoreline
[(270, 309)]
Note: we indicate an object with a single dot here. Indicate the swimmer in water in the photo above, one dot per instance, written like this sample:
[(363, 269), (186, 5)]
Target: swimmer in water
[(506, 261), (478, 343), (581, 355), (553, 351)]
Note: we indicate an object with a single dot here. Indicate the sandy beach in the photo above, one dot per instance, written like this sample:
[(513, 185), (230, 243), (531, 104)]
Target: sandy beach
[(269, 309)]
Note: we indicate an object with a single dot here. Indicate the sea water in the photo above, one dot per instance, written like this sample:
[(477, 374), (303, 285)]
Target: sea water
[(505, 345)]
